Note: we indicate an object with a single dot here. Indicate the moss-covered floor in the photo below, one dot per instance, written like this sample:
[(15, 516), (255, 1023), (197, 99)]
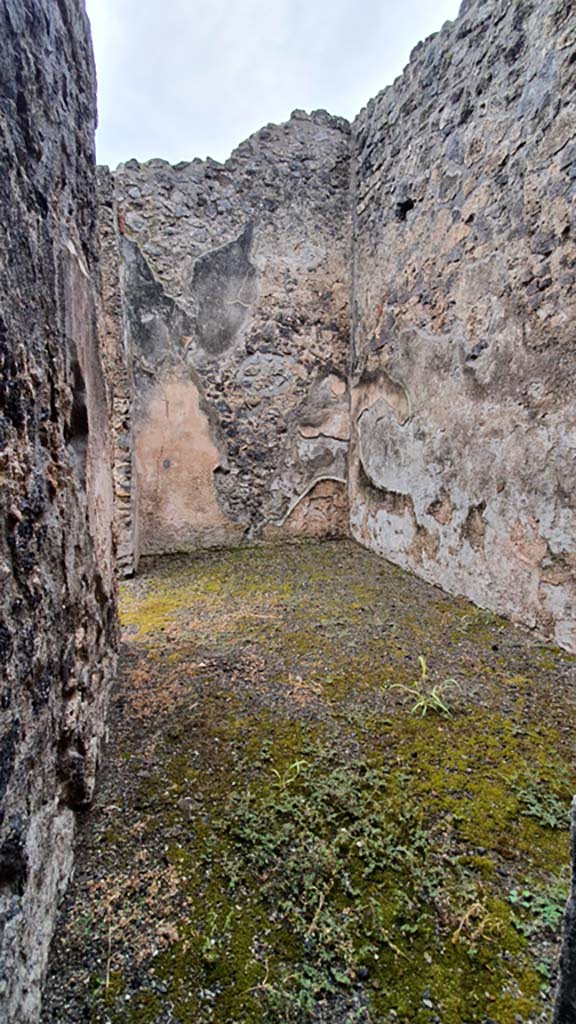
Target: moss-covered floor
[(277, 837)]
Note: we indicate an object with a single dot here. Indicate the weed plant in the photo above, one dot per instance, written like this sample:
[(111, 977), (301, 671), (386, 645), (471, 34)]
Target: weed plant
[(426, 697)]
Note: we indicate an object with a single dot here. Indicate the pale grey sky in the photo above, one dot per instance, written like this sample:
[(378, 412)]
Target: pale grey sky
[(185, 78)]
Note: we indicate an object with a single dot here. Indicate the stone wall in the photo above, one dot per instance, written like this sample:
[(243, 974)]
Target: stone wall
[(231, 313), (117, 357), (235, 285), (464, 365), (57, 606)]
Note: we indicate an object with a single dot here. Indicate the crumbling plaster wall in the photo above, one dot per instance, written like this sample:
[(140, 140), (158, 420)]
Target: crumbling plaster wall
[(235, 290), (463, 453), (57, 603)]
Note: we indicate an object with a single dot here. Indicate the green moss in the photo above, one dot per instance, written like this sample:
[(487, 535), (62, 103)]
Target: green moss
[(236, 948), (469, 767), (317, 836)]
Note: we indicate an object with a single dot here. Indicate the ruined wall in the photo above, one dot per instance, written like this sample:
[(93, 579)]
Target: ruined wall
[(117, 359), (464, 365), (231, 317), (57, 620), (235, 282)]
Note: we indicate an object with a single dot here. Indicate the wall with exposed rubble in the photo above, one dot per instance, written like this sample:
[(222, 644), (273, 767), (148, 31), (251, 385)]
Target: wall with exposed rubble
[(57, 603), (117, 360), (235, 290), (463, 463)]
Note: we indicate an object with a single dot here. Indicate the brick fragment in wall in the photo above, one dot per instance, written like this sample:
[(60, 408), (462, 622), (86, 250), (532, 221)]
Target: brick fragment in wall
[(57, 598)]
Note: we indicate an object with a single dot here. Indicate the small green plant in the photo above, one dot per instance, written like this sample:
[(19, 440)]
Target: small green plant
[(540, 803), (427, 698), (541, 911), (214, 938), (480, 618), (291, 773), (327, 844)]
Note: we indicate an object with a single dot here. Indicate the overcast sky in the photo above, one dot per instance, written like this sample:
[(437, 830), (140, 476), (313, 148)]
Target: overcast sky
[(185, 78)]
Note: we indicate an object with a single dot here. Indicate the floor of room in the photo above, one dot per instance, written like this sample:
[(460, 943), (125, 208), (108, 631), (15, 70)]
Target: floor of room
[(331, 793)]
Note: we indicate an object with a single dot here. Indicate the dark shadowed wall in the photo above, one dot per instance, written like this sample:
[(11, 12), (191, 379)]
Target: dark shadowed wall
[(57, 606)]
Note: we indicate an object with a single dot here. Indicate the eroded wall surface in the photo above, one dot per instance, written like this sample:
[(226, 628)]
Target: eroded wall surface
[(117, 359), (235, 287), (464, 364), (57, 606)]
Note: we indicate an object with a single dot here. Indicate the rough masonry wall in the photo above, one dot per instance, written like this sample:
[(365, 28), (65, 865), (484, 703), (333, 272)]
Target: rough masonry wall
[(117, 358), (57, 619), (234, 285), (464, 365)]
